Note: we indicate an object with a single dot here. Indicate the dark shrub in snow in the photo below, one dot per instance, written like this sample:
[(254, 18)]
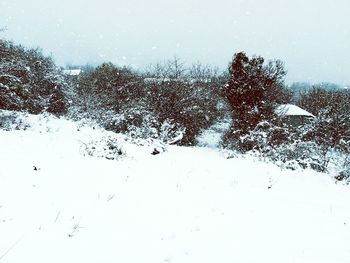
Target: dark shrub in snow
[(253, 90), (344, 175)]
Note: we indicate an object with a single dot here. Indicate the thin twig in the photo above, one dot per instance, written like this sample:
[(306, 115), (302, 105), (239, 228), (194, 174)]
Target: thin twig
[(10, 248), (58, 215)]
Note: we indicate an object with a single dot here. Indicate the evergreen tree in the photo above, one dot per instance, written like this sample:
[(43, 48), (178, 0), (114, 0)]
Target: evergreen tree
[(253, 91)]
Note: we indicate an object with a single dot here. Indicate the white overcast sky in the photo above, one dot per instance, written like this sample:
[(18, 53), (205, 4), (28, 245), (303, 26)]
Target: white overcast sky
[(312, 37)]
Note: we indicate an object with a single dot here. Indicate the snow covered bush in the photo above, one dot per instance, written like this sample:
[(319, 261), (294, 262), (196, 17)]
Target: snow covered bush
[(29, 81), (114, 98), (190, 106), (300, 154), (10, 120), (107, 88), (288, 147), (134, 120), (171, 132), (265, 136), (139, 122), (107, 147), (344, 175), (307, 146)]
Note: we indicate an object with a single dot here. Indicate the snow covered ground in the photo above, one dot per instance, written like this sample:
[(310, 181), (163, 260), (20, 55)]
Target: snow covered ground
[(58, 204), (212, 137)]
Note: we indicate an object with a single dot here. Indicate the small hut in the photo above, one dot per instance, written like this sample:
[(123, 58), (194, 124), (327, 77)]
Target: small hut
[(293, 115)]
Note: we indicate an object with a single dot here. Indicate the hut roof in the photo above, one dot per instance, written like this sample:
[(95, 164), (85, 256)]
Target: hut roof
[(291, 110)]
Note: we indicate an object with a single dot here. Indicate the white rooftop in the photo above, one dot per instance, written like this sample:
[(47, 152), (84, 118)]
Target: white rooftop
[(72, 72), (290, 109)]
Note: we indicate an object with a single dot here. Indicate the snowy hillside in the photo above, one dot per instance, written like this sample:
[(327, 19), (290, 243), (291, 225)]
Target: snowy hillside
[(60, 204)]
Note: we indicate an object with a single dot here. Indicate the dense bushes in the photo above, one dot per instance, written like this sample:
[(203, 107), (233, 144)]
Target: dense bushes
[(331, 131), (332, 109), (190, 105), (144, 104), (29, 81), (106, 87)]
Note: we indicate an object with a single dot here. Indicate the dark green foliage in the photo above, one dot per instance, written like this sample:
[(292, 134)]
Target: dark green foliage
[(253, 90)]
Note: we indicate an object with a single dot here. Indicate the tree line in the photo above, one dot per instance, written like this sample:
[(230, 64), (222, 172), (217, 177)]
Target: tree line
[(169, 99)]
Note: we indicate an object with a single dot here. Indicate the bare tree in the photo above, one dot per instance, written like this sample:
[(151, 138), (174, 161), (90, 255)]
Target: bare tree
[(203, 73), (157, 71), (175, 69)]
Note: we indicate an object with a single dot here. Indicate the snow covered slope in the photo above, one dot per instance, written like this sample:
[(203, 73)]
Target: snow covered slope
[(182, 205)]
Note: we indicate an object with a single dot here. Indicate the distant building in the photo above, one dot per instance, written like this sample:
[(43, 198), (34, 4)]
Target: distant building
[(293, 115), (72, 72)]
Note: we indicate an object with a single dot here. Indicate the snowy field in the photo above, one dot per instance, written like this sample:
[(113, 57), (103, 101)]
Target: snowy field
[(59, 204)]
